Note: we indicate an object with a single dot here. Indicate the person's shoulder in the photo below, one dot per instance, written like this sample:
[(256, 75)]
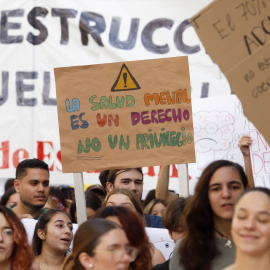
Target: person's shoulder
[(178, 242), (230, 267), (20, 214), (174, 261), (43, 210), (161, 266)]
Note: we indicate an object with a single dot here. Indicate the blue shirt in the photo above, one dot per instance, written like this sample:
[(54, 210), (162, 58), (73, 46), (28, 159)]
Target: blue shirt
[(153, 221)]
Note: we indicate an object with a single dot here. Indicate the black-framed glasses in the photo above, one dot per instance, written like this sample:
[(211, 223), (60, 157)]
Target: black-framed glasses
[(117, 253)]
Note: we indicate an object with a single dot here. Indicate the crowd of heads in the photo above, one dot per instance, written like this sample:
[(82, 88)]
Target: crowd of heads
[(222, 207)]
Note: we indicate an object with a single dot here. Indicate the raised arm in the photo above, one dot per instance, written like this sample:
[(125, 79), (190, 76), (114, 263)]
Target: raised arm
[(244, 143), (162, 189)]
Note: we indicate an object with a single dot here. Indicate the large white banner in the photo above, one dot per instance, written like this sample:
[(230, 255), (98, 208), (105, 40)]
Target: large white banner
[(38, 36)]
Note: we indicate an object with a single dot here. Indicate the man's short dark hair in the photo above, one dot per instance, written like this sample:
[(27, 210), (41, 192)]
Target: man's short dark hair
[(34, 163)]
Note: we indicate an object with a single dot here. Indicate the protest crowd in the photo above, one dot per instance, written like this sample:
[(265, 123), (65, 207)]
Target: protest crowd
[(118, 224), (224, 225)]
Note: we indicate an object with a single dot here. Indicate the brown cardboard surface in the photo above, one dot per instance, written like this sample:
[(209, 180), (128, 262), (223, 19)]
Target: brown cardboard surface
[(108, 117), (236, 35)]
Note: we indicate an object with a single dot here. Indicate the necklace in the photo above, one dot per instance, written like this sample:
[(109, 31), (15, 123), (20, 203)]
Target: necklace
[(228, 243)]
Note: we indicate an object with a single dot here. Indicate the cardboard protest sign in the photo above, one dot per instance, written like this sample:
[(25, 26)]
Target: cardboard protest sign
[(127, 114), (236, 34)]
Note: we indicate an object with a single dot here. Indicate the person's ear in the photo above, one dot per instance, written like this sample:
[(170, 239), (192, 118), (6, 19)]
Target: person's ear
[(17, 185), (109, 186), (85, 260), (41, 234), (170, 233)]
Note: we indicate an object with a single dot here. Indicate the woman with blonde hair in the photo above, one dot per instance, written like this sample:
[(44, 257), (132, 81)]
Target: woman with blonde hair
[(155, 207), (207, 244), (126, 198)]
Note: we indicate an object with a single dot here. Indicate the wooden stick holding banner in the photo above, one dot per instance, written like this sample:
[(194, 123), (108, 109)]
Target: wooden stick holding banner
[(80, 197), (183, 180)]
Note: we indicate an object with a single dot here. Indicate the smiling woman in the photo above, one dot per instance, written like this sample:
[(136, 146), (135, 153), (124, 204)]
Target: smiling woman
[(251, 230), (51, 240)]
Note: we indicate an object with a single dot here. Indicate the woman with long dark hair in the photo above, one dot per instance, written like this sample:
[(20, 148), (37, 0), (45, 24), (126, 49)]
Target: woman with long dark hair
[(52, 238), (207, 219)]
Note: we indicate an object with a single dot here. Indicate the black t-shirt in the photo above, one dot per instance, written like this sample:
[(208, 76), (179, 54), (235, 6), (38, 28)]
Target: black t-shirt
[(162, 266)]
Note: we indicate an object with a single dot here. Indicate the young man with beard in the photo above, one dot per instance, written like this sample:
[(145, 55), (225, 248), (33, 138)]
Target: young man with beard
[(32, 184)]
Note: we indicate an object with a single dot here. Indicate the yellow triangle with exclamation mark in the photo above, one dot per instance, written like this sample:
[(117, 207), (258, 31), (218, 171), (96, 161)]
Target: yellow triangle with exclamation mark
[(125, 81)]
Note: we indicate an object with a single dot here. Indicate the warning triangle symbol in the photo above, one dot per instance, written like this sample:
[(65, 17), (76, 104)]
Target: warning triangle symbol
[(125, 81)]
